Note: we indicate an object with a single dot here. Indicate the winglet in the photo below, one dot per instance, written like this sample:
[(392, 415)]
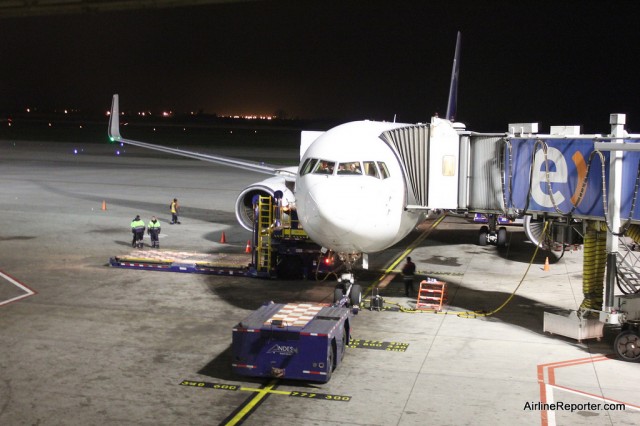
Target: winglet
[(114, 120), (453, 88)]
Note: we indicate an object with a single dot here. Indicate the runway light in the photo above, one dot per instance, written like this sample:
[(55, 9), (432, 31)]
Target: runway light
[(75, 151), (118, 152)]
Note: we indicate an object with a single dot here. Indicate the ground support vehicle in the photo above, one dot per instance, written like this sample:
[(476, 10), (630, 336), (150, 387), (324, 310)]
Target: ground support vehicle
[(172, 261), (302, 341)]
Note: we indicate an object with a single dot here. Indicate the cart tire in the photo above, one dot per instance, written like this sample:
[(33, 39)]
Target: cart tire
[(331, 356), (627, 346)]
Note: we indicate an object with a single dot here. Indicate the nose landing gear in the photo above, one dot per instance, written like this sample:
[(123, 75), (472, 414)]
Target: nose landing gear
[(347, 293)]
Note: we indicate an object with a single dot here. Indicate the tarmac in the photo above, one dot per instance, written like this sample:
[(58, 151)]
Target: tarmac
[(86, 343)]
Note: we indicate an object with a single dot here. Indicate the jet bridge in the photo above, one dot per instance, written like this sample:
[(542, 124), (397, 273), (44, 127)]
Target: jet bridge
[(584, 185)]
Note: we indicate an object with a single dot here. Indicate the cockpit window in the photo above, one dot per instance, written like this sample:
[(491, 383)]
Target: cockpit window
[(383, 169), (370, 169), (324, 167), (349, 168), (307, 166)]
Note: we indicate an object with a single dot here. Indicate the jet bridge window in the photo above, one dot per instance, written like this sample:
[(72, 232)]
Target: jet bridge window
[(307, 166), (349, 168), (383, 169), (324, 167)]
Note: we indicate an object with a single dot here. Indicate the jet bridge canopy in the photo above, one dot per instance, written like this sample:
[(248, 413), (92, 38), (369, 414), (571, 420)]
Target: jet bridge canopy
[(428, 155)]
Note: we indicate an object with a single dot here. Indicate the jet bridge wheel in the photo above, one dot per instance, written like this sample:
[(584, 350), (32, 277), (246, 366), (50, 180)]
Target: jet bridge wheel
[(502, 236), (482, 236), (627, 346)]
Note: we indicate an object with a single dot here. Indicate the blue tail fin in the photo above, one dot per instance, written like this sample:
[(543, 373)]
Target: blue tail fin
[(453, 88)]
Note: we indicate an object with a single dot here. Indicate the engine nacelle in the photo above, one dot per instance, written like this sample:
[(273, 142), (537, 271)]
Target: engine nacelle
[(561, 232), (268, 187)]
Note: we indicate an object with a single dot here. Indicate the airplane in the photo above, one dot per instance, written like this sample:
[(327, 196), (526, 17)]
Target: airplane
[(354, 191)]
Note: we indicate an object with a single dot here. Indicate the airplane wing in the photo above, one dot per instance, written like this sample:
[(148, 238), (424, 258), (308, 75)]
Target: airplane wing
[(289, 173)]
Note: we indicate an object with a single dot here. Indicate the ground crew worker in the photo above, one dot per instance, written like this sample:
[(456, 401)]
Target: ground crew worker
[(153, 229), (407, 276), (137, 228), (174, 212)]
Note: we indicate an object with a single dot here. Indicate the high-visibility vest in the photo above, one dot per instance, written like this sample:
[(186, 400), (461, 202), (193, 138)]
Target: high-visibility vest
[(154, 225)]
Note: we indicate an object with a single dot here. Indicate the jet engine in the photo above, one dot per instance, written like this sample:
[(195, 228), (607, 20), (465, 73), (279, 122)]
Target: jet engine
[(268, 187), (562, 231)]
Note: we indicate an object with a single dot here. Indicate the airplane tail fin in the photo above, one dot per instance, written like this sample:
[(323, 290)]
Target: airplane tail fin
[(114, 120), (453, 87)]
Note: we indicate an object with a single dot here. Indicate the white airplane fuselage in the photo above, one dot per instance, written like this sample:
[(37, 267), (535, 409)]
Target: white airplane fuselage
[(357, 211)]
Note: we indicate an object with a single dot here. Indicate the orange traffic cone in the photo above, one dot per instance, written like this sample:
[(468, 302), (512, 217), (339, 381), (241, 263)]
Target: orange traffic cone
[(104, 205), (223, 239), (546, 264), (247, 249)]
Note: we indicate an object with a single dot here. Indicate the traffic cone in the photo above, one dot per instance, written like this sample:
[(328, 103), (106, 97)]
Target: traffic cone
[(223, 239), (104, 205), (247, 249), (546, 264)]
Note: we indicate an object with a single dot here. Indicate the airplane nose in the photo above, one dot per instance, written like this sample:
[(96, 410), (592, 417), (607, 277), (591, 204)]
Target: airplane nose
[(332, 209)]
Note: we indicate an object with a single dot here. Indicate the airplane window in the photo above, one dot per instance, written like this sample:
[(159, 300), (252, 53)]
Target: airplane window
[(350, 168), (370, 169), (307, 166), (383, 169), (324, 167)]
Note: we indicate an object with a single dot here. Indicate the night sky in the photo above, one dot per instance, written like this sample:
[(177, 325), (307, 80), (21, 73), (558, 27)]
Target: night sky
[(554, 62)]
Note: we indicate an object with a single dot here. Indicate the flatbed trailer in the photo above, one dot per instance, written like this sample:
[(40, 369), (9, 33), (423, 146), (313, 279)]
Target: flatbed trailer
[(302, 341), (185, 262)]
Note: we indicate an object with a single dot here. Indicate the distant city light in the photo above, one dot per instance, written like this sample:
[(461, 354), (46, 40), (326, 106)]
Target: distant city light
[(250, 117)]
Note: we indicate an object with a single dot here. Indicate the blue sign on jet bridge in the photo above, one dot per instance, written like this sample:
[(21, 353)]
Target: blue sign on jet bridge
[(567, 161)]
